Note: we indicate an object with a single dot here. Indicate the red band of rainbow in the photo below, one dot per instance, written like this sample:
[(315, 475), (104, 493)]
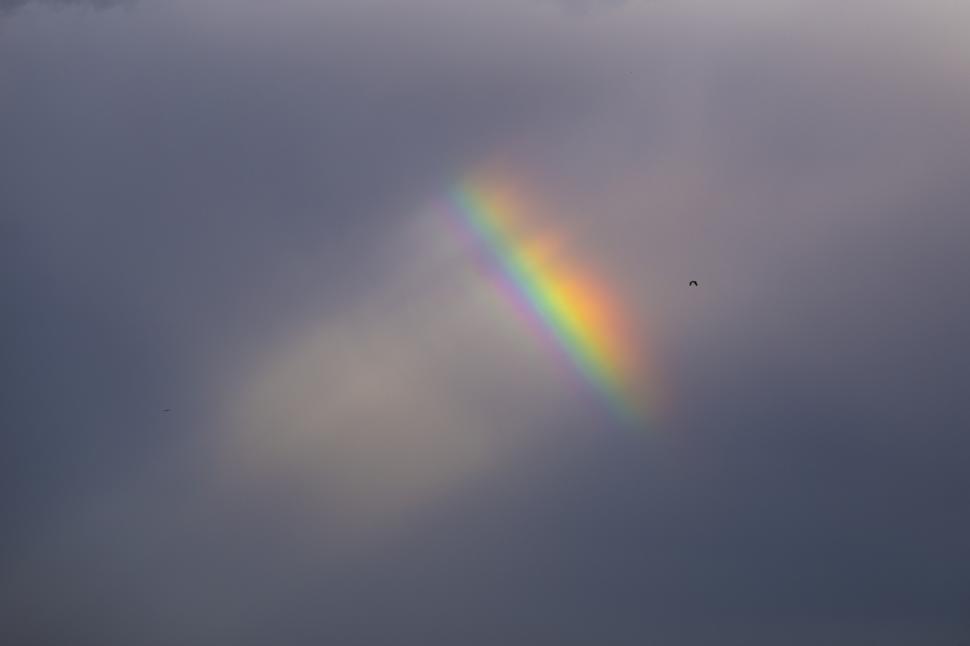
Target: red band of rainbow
[(571, 308)]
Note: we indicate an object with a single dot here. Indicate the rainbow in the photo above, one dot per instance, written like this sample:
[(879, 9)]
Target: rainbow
[(570, 308)]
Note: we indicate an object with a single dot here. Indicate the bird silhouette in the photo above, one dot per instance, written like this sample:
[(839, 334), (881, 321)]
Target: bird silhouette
[(692, 283)]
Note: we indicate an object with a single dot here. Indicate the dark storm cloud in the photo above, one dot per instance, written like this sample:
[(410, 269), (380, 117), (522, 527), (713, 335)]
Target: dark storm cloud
[(218, 222)]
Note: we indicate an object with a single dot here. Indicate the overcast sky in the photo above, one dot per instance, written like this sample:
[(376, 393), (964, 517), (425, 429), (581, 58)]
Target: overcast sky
[(233, 209)]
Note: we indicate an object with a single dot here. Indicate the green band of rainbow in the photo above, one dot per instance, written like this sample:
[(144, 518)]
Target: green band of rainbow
[(571, 309)]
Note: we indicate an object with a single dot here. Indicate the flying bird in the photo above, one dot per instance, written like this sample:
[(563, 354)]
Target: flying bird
[(692, 283)]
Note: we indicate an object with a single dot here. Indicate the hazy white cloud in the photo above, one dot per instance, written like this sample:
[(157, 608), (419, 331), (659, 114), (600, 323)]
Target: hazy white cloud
[(424, 382)]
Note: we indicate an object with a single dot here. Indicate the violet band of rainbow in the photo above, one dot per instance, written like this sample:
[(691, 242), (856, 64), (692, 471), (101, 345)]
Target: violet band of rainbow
[(570, 310)]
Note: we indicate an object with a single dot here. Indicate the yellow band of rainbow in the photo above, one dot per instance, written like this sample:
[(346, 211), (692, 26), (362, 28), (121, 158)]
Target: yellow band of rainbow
[(574, 310)]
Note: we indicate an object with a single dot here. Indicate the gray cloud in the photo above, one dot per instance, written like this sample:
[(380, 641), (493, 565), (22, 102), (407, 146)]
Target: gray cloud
[(588, 6), (7, 6), (231, 220)]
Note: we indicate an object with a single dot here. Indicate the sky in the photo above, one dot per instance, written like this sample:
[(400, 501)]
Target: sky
[(368, 322)]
